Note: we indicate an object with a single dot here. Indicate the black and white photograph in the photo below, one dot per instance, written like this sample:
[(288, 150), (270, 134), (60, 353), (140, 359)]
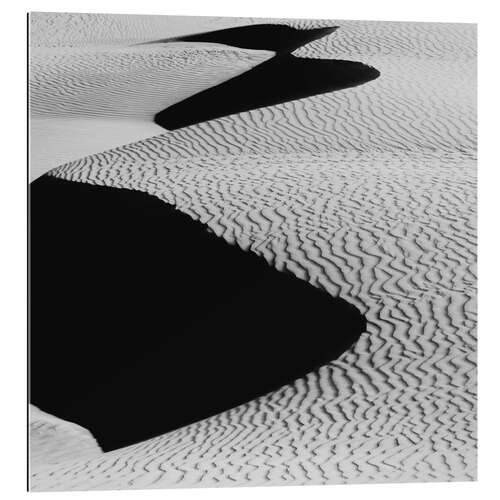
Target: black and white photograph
[(252, 251)]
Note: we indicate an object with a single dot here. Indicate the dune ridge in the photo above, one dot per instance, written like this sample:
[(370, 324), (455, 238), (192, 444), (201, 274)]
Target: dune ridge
[(279, 38), (281, 78), (85, 100), (53, 440), (369, 194), (400, 405), (167, 314)]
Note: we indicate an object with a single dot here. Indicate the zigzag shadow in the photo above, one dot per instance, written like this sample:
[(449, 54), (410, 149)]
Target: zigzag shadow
[(280, 79)]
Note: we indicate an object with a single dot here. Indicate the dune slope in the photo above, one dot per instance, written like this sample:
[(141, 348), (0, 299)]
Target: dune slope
[(178, 309), (52, 440), (367, 193), (85, 100)]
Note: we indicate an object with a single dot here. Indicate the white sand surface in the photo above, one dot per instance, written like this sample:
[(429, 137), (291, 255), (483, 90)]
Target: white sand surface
[(370, 194), (52, 441), (87, 99)]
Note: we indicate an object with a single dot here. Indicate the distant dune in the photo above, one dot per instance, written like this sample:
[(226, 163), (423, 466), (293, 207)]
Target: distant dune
[(367, 193)]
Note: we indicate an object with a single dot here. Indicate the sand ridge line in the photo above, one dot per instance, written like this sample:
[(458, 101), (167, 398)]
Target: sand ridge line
[(368, 193), (92, 99), (53, 440)]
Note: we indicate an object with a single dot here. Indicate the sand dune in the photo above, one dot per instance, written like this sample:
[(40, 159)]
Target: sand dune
[(368, 193), (167, 314), (53, 440), (73, 29), (87, 100)]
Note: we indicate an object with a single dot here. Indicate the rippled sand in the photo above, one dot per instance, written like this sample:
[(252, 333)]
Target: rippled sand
[(368, 193)]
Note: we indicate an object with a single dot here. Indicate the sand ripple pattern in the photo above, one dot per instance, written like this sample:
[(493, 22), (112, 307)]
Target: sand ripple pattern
[(129, 83), (53, 441), (368, 193), (85, 100)]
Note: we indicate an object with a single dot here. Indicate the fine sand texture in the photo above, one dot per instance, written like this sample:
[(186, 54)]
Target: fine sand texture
[(87, 98), (52, 440), (184, 290), (367, 193)]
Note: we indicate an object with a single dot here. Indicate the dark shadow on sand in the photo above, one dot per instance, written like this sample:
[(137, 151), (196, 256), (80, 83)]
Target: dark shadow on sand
[(275, 37), (143, 322), (280, 79)]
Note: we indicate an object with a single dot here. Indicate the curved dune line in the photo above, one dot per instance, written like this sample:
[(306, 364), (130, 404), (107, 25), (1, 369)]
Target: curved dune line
[(368, 193), (414, 373), (53, 440), (86, 100), (181, 313)]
